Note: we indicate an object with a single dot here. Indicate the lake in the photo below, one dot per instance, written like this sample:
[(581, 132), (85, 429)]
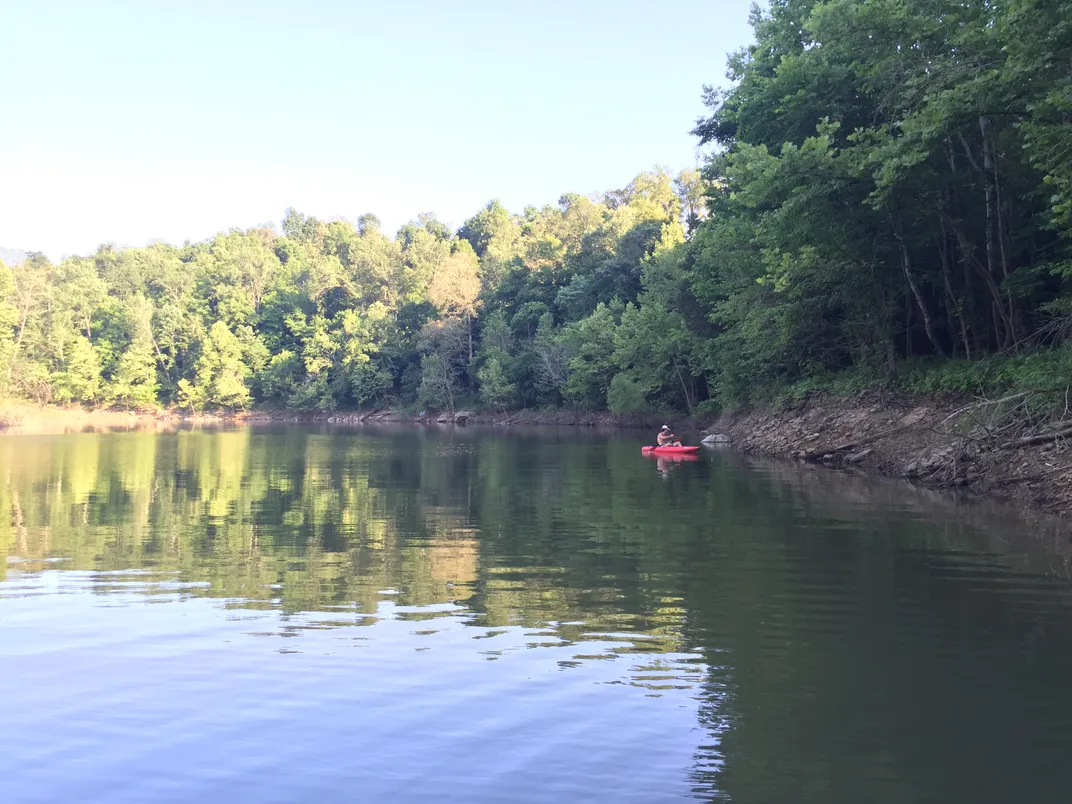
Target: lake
[(305, 613)]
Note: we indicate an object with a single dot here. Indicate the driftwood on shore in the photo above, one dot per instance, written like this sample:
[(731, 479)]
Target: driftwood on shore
[(822, 452), (1042, 438), (984, 434)]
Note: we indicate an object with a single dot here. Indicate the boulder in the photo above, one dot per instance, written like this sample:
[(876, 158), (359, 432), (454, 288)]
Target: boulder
[(459, 417)]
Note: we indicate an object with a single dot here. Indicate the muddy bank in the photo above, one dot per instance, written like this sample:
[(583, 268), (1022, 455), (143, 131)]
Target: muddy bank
[(998, 449)]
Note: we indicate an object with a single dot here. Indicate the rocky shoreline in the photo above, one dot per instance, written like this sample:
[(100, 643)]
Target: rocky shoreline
[(988, 448)]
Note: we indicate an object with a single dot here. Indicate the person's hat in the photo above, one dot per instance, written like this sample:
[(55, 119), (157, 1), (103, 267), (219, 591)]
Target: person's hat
[(665, 427)]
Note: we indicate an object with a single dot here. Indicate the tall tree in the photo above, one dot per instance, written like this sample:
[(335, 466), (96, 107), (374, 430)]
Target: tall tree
[(220, 379)]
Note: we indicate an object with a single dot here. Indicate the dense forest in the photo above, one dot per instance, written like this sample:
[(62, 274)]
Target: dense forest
[(888, 200)]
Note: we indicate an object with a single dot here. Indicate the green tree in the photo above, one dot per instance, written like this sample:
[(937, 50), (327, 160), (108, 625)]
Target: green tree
[(9, 319), (455, 287), (30, 291), (589, 345), (495, 388), (625, 396), (134, 382), (78, 378), (443, 346), (220, 379)]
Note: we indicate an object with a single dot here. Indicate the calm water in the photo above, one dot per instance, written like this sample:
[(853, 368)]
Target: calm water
[(302, 614)]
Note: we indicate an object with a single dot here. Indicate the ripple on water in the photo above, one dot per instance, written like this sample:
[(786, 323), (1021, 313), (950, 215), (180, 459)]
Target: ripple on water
[(291, 614)]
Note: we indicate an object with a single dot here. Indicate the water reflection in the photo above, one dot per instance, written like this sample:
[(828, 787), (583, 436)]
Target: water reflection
[(834, 639)]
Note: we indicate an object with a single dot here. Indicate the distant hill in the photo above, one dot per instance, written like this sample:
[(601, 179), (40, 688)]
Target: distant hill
[(11, 255)]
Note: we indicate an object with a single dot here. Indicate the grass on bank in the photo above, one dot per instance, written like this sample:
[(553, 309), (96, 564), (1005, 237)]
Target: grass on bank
[(1047, 371)]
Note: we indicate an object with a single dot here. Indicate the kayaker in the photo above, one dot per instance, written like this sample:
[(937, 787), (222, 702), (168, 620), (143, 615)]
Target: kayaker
[(666, 438)]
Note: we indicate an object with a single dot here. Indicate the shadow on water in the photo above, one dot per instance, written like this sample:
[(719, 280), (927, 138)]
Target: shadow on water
[(838, 638)]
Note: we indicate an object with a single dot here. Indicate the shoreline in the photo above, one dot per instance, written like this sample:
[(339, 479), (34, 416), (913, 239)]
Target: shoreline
[(948, 446), (18, 418), (875, 435)]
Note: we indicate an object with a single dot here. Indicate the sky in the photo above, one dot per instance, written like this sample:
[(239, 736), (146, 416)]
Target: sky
[(125, 122)]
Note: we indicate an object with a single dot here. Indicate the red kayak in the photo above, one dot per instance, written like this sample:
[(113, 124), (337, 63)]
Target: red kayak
[(669, 450)]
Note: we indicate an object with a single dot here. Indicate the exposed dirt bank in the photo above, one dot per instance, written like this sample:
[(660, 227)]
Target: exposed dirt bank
[(1001, 449), (22, 418)]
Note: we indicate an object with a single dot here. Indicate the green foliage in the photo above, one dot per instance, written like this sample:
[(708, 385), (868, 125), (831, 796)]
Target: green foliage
[(280, 377), (9, 318), (879, 202), (495, 388), (625, 396), (437, 382), (312, 394), (134, 380), (220, 378), (1046, 370), (134, 383), (79, 376), (589, 349), (442, 345), (1042, 370)]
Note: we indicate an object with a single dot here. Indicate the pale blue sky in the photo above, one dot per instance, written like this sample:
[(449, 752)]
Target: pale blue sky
[(133, 120)]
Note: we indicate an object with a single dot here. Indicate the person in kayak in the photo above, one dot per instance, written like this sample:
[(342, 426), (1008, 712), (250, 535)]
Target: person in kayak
[(667, 439)]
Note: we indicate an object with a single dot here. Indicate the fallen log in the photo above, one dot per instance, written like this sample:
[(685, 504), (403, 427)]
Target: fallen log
[(1042, 438), (815, 454), (1039, 476), (985, 403)]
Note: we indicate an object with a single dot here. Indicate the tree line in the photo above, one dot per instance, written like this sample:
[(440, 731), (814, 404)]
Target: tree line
[(890, 184), (327, 315)]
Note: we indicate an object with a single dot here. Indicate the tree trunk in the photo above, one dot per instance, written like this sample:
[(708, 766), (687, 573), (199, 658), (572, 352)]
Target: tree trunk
[(989, 235), (990, 194), (1001, 316), (1003, 239), (685, 390), (952, 303), (947, 255), (160, 359), (967, 304), (908, 329), (18, 341), (928, 326)]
